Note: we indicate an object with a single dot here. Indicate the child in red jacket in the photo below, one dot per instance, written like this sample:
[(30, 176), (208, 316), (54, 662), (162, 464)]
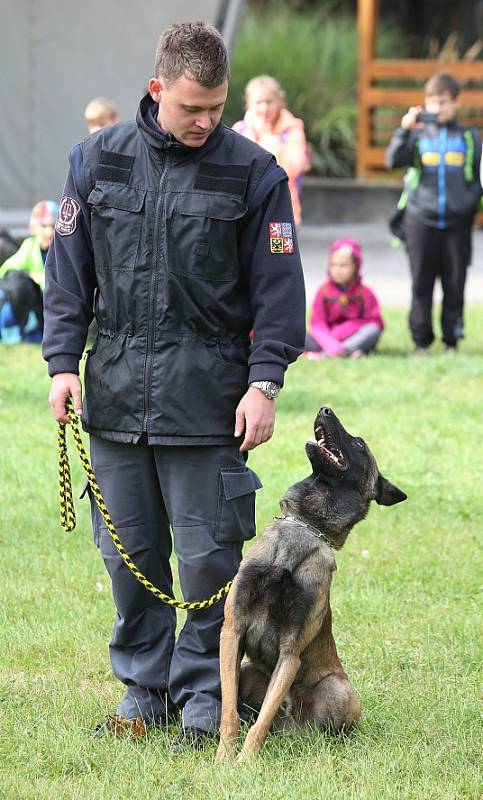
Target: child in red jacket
[(346, 318)]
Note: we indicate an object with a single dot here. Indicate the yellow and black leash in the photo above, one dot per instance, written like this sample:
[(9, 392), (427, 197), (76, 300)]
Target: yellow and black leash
[(68, 519)]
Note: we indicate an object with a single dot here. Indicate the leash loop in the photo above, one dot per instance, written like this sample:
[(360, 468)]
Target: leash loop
[(68, 518)]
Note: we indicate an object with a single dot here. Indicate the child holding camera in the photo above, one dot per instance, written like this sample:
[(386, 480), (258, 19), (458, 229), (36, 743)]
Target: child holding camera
[(443, 193)]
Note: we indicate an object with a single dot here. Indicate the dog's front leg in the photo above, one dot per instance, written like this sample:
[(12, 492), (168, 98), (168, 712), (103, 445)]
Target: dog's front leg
[(283, 676), (231, 653)]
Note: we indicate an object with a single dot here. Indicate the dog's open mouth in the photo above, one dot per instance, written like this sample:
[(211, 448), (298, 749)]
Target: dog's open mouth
[(330, 451)]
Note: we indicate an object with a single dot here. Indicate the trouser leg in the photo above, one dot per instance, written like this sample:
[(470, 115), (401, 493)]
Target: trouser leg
[(454, 263), (364, 339), (144, 630), (423, 247), (209, 495)]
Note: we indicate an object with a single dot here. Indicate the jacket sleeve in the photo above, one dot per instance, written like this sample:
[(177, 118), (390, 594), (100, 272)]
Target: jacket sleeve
[(70, 280), (275, 283), (19, 260), (372, 309), (400, 151), (477, 156), (319, 328), (293, 152)]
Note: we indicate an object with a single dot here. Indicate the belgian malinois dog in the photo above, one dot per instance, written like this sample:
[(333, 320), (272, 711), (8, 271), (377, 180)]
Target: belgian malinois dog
[(278, 610)]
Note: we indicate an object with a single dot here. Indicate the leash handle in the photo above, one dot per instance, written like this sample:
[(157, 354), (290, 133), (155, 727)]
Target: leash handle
[(68, 518)]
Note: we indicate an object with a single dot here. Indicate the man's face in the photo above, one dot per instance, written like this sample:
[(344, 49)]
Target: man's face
[(188, 110), (443, 105)]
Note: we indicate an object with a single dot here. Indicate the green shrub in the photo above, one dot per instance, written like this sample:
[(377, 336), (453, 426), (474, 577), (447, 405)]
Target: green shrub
[(314, 56)]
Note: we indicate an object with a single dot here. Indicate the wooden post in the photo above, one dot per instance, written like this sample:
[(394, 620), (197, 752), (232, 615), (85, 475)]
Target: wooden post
[(367, 12)]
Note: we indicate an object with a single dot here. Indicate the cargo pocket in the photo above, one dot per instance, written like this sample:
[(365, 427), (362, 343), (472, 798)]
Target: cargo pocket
[(235, 519), (116, 222), (203, 236)]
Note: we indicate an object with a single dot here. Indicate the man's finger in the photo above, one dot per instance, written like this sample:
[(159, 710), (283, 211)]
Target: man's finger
[(77, 401), (239, 423)]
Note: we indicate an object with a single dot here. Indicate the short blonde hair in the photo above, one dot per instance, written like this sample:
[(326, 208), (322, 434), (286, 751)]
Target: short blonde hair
[(264, 82), (100, 108)]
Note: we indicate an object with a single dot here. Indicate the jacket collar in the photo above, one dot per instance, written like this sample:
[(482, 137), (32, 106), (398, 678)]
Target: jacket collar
[(155, 137)]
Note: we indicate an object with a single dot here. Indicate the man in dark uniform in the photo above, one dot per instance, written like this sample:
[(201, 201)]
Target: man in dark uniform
[(179, 232)]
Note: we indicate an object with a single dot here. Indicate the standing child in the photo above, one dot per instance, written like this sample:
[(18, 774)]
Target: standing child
[(346, 318), (269, 123), (443, 193)]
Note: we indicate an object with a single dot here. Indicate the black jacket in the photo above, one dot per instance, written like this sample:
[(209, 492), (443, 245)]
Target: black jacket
[(160, 241)]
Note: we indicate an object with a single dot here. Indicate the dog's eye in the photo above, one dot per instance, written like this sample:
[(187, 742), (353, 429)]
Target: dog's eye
[(359, 443)]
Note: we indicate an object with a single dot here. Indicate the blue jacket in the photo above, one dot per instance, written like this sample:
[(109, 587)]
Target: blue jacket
[(444, 187)]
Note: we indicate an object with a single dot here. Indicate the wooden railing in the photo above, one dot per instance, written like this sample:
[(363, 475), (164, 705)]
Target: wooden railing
[(387, 88)]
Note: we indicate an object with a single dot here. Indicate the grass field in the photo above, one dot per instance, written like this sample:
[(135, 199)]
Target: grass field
[(405, 603)]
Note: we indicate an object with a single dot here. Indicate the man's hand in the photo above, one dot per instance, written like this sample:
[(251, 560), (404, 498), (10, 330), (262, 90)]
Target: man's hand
[(410, 119), (65, 385), (255, 416)]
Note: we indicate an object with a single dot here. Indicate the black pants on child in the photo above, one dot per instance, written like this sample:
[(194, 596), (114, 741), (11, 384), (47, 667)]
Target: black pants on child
[(443, 253)]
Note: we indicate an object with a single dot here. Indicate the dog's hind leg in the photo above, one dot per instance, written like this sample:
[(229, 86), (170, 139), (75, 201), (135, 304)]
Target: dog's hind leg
[(282, 678), (231, 654), (333, 705)]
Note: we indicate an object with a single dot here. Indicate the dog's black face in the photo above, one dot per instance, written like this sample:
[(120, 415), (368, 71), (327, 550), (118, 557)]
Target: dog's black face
[(345, 479)]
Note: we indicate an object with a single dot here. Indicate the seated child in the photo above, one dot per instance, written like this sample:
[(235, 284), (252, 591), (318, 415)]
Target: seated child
[(31, 255), (346, 318), (22, 279)]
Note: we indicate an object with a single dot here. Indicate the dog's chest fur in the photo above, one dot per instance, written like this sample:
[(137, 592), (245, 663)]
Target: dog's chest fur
[(277, 588)]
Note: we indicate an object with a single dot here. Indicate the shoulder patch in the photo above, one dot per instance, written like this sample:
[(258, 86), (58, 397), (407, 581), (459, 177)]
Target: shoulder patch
[(280, 236), (67, 218)]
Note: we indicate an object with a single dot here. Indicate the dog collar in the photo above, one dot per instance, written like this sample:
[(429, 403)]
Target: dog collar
[(313, 531)]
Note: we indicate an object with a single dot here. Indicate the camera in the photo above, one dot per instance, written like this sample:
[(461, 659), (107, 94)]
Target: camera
[(426, 117)]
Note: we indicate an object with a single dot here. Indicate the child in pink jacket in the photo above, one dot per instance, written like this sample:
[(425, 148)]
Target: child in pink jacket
[(346, 318)]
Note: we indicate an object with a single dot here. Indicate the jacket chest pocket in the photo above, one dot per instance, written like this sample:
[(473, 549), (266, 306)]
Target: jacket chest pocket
[(116, 224), (202, 238)]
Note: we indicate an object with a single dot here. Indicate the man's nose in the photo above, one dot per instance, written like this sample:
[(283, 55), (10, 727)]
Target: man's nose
[(203, 121)]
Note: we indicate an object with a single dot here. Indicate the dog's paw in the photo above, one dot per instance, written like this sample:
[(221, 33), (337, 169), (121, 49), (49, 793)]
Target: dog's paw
[(226, 750), (244, 757)]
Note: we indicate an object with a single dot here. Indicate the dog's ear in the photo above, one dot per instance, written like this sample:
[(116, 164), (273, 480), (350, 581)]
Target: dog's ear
[(387, 494)]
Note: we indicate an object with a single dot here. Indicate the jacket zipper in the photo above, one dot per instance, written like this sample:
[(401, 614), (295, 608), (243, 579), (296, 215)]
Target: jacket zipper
[(148, 361)]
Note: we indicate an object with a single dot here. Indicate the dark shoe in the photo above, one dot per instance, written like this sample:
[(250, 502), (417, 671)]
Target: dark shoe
[(194, 738)]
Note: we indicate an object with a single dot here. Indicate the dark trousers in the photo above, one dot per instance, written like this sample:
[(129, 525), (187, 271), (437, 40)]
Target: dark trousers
[(437, 253), (206, 496)]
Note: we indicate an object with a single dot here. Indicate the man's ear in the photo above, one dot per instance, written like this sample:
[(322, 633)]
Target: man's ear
[(155, 88), (387, 494)]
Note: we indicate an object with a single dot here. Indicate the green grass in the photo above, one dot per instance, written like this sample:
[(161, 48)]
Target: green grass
[(404, 597)]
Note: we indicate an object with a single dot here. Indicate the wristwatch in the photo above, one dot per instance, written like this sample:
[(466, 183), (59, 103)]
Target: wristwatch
[(269, 388)]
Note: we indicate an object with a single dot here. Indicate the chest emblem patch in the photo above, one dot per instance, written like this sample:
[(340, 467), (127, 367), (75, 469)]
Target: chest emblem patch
[(280, 236), (67, 219)]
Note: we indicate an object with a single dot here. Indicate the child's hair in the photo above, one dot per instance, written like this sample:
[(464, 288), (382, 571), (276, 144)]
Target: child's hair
[(100, 108), (351, 247), (264, 82), (441, 83), (44, 212)]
